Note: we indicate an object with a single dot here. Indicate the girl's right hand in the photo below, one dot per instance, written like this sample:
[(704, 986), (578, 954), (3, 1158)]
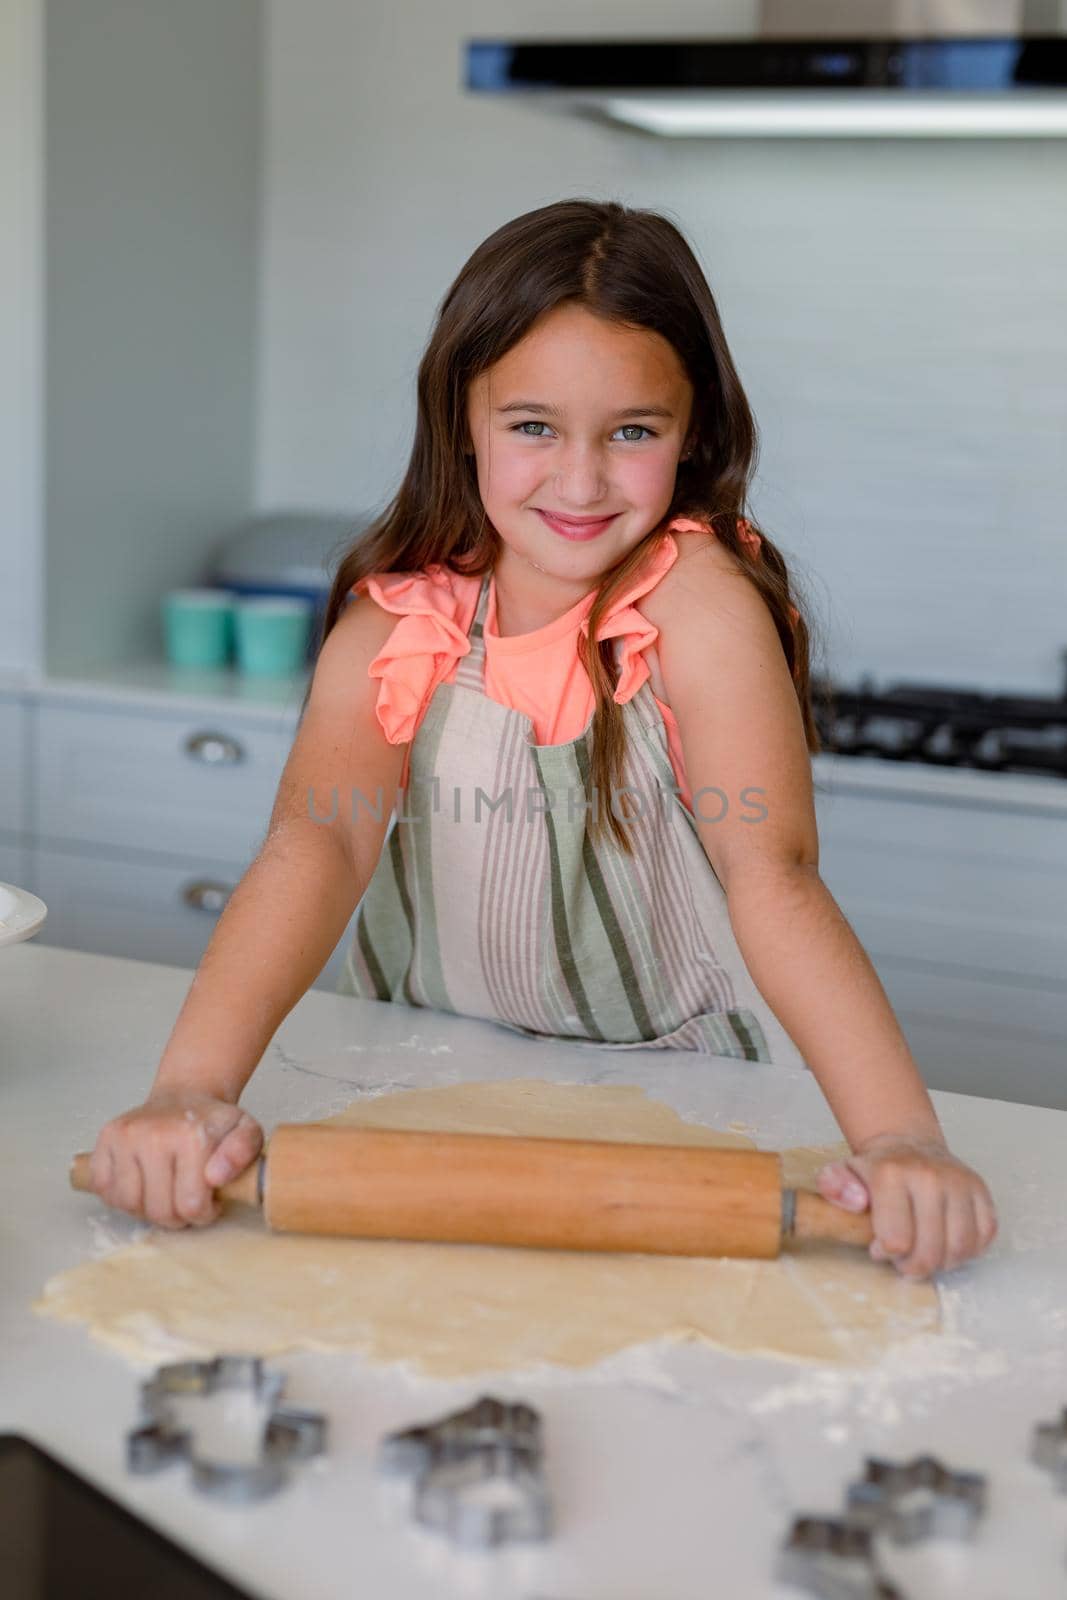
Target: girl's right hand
[(162, 1160)]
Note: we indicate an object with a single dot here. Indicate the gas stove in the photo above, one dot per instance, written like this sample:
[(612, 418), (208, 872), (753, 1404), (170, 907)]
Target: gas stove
[(943, 726)]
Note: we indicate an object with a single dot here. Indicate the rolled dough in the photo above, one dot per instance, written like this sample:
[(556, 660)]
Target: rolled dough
[(450, 1310)]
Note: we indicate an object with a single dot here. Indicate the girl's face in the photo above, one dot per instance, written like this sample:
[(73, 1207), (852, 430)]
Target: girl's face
[(582, 418)]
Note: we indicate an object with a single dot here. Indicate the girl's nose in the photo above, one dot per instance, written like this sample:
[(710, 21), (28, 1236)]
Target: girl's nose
[(580, 481)]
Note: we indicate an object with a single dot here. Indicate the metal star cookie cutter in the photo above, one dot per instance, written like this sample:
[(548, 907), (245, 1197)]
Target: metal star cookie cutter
[(918, 1499), (478, 1475), (288, 1435), (486, 1423), (833, 1558), (489, 1496), (1048, 1449)]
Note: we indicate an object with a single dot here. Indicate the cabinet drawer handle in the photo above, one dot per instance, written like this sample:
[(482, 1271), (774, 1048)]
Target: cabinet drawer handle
[(207, 895), (215, 749)]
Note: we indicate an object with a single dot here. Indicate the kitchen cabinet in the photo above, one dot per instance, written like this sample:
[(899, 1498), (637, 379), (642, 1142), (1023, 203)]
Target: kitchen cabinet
[(151, 780), (139, 807), (120, 906), (961, 904), (146, 815)]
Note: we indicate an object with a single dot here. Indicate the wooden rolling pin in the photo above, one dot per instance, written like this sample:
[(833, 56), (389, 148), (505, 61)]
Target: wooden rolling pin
[(559, 1194)]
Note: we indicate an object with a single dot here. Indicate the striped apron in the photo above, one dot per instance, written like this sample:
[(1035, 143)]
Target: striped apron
[(490, 900)]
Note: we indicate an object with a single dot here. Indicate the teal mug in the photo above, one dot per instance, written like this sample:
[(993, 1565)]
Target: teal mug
[(198, 627), (273, 632)]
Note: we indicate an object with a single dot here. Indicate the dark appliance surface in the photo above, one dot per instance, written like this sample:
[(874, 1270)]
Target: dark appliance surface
[(61, 1538), (943, 725)]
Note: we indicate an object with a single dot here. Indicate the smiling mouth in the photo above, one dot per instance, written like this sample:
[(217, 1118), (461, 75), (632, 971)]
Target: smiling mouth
[(577, 522)]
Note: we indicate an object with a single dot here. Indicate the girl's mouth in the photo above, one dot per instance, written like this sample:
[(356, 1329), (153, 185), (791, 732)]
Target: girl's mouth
[(579, 529)]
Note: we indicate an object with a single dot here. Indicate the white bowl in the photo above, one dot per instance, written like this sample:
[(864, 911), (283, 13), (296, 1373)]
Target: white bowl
[(21, 914)]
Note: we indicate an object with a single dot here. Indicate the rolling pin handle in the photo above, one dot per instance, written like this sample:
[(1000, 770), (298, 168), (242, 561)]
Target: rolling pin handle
[(246, 1189), (80, 1176), (808, 1216)]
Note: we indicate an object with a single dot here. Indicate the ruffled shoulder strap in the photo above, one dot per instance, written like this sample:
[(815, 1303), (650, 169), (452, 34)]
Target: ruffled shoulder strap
[(627, 624), (436, 609), (631, 627), (746, 533)]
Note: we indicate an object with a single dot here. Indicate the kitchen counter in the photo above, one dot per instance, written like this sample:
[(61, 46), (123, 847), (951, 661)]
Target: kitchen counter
[(676, 1469), (155, 684)]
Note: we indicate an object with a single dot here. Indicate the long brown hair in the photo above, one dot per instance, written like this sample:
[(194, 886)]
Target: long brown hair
[(623, 265)]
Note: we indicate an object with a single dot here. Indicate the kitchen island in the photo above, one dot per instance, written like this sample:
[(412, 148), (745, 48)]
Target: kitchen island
[(675, 1468)]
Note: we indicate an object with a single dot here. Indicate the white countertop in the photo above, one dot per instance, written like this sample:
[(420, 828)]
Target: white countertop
[(155, 685), (675, 1469)]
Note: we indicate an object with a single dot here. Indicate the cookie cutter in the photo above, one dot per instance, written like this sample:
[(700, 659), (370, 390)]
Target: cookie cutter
[(918, 1499), (478, 1473), (1048, 1449), (490, 1496), (486, 1423), (288, 1435), (833, 1558)]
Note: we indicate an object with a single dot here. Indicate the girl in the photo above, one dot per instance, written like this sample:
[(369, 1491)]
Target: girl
[(582, 673)]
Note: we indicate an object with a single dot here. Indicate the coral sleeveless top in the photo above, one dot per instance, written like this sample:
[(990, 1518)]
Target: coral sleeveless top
[(538, 674)]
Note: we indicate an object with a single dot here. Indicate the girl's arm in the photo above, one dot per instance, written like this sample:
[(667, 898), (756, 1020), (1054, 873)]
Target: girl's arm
[(729, 687), (292, 905), (276, 932)]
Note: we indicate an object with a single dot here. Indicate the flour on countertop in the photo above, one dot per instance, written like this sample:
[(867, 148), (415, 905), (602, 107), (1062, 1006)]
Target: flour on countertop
[(909, 1376), (112, 1230), (416, 1043), (639, 1366)]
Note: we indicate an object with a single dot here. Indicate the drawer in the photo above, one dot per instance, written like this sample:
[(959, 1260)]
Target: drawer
[(1002, 1040), (148, 911), (14, 756), (975, 890), (157, 782)]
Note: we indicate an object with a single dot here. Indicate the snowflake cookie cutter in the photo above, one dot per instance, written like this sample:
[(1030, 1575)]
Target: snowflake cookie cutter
[(917, 1499), (478, 1473), (288, 1435), (834, 1559)]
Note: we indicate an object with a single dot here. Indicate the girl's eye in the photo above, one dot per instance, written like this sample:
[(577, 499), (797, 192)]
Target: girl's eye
[(638, 426)]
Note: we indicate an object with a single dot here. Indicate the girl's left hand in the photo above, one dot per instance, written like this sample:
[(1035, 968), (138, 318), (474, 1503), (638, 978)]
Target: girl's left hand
[(929, 1211)]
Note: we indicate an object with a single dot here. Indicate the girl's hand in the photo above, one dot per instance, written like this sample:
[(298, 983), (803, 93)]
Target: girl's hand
[(162, 1160), (929, 1211)]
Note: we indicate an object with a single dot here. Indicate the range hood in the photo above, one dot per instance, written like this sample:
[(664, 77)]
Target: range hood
[(815, 68)]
